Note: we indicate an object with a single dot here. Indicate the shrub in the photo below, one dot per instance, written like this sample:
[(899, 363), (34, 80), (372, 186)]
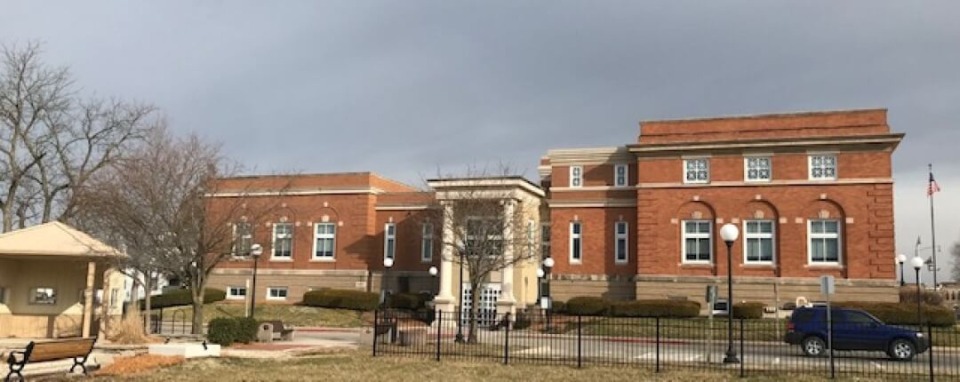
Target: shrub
[(222, 331), (410, 301), (587, 306), (558, 307), (655, 308), (247, 329), (904, 314), (182, 297), (522, 322), (342, 299), (908, 295), (748, 310)]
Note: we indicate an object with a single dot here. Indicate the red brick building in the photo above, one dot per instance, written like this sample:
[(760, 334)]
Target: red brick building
[(812, 194)]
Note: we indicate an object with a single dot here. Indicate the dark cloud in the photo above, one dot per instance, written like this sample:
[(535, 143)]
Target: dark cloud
[(404, 87)]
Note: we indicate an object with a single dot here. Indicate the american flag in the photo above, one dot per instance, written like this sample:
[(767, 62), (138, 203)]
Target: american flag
[(933, 186)]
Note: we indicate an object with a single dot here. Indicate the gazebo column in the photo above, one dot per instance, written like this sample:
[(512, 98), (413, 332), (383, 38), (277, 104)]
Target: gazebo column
[(507, 301), (444, 299), (88, 299)]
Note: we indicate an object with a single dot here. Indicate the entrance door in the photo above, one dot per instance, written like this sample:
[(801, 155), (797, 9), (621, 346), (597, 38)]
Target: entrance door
[(487, 313)]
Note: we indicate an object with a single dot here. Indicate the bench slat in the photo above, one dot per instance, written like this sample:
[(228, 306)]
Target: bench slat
[(56, 350)]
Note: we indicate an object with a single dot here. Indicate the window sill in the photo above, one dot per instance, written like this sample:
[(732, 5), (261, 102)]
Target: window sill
[(236, 298), (697, 265), (759, 266), (426, 261), (282, 259), (824, 266), (621, 263), (322, 260), (276, 299)]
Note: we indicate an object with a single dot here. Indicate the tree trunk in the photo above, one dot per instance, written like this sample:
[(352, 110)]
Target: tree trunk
[(147, 307), (197, 291), (474, 312)]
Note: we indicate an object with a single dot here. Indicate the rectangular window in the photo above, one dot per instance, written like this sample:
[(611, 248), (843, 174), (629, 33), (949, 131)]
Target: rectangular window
[(824, 241), (576, 240), (696, 170), (277, 293), (3, 295), (823, 167), (390, 241), (545, 240), (576, 176), (426, 244), (236, 293), (757, 169), (324, 241), (758, 242), (697, 241), (242, 238), (484, 236), (282, 241), (620, 175), (43, 296), (620, 242)]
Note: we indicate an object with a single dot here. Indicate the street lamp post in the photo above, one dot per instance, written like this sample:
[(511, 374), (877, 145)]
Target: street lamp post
[(255, 251), (387, 264), (544, 273), (729, 234), (459, 337), (901, 258), (917, 263)]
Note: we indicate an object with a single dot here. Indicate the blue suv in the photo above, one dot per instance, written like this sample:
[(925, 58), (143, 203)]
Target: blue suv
[(852, 330)]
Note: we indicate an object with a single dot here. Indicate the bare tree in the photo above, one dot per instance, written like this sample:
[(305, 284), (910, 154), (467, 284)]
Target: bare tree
[(491, 230), (156, 201), (51, 141), (955, 252)]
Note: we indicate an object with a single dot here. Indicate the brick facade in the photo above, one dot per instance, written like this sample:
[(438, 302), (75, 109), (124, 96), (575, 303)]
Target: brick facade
[(654, 204)]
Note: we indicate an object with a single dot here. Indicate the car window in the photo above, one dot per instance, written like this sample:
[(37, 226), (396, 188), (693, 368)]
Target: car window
[(858, 318)]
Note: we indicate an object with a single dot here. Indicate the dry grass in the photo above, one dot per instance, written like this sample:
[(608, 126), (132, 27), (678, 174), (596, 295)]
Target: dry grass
[(130, 330), (356, 366), (136, 365)]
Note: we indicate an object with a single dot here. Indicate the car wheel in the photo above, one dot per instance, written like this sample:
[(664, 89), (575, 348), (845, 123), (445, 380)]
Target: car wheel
[(902, 350), (813, 346)]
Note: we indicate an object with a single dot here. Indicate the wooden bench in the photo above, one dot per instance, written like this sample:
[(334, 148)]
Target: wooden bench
[(286, 333), (76, 348)]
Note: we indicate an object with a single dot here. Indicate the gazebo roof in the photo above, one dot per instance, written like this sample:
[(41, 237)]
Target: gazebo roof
[(54, 239)]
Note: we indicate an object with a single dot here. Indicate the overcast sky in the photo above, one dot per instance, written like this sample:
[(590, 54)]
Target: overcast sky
[(404, 87)]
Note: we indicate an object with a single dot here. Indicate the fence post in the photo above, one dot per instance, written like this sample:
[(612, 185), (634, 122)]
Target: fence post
[(930, 350), (658, 345), (743, 357), (833, 366), (579, 341), (506, 340), (376, 325), (439, 321)]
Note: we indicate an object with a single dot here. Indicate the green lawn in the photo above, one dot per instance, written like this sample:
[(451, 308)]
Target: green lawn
[(357, 366), (290, 314)]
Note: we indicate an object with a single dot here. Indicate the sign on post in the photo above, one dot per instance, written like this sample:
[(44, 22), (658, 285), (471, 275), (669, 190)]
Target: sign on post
[(711, 295), (827, 286)]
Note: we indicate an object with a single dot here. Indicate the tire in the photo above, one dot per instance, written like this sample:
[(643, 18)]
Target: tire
[(902, 349), (813, 346)]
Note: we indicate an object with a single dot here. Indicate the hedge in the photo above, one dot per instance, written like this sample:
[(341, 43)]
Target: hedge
[(904, 314), (410, 301), (558, 306), (342, 299), (587, 306), (748, 310), (223, 331), (182, 297), (655, 308), (908, 295)]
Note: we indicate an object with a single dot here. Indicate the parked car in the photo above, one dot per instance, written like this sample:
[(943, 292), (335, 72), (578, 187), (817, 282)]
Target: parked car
[(853, 329)]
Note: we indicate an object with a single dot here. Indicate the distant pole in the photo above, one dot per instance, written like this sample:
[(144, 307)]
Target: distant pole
[(931, 189)]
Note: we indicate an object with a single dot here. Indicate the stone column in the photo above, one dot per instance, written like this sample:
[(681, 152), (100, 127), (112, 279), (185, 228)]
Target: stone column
[(444, 300), (88, 299), (506, 300)]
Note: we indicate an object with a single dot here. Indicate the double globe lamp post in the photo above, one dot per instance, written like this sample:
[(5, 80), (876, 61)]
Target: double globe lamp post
[(255, 251), (544, 274), (917, 263)]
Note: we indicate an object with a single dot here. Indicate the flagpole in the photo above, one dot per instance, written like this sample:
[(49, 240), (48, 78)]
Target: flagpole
[(933, 230)]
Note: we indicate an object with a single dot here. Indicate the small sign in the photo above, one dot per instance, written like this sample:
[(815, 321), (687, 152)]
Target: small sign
[(711, 295), (544, 302), (827, 286)]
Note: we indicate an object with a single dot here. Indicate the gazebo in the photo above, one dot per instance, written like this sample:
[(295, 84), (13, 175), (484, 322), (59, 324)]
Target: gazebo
[(56, 281)]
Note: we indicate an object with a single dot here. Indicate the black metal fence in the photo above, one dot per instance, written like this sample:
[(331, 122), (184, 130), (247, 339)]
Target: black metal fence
[(173, 323), (657, 343)]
